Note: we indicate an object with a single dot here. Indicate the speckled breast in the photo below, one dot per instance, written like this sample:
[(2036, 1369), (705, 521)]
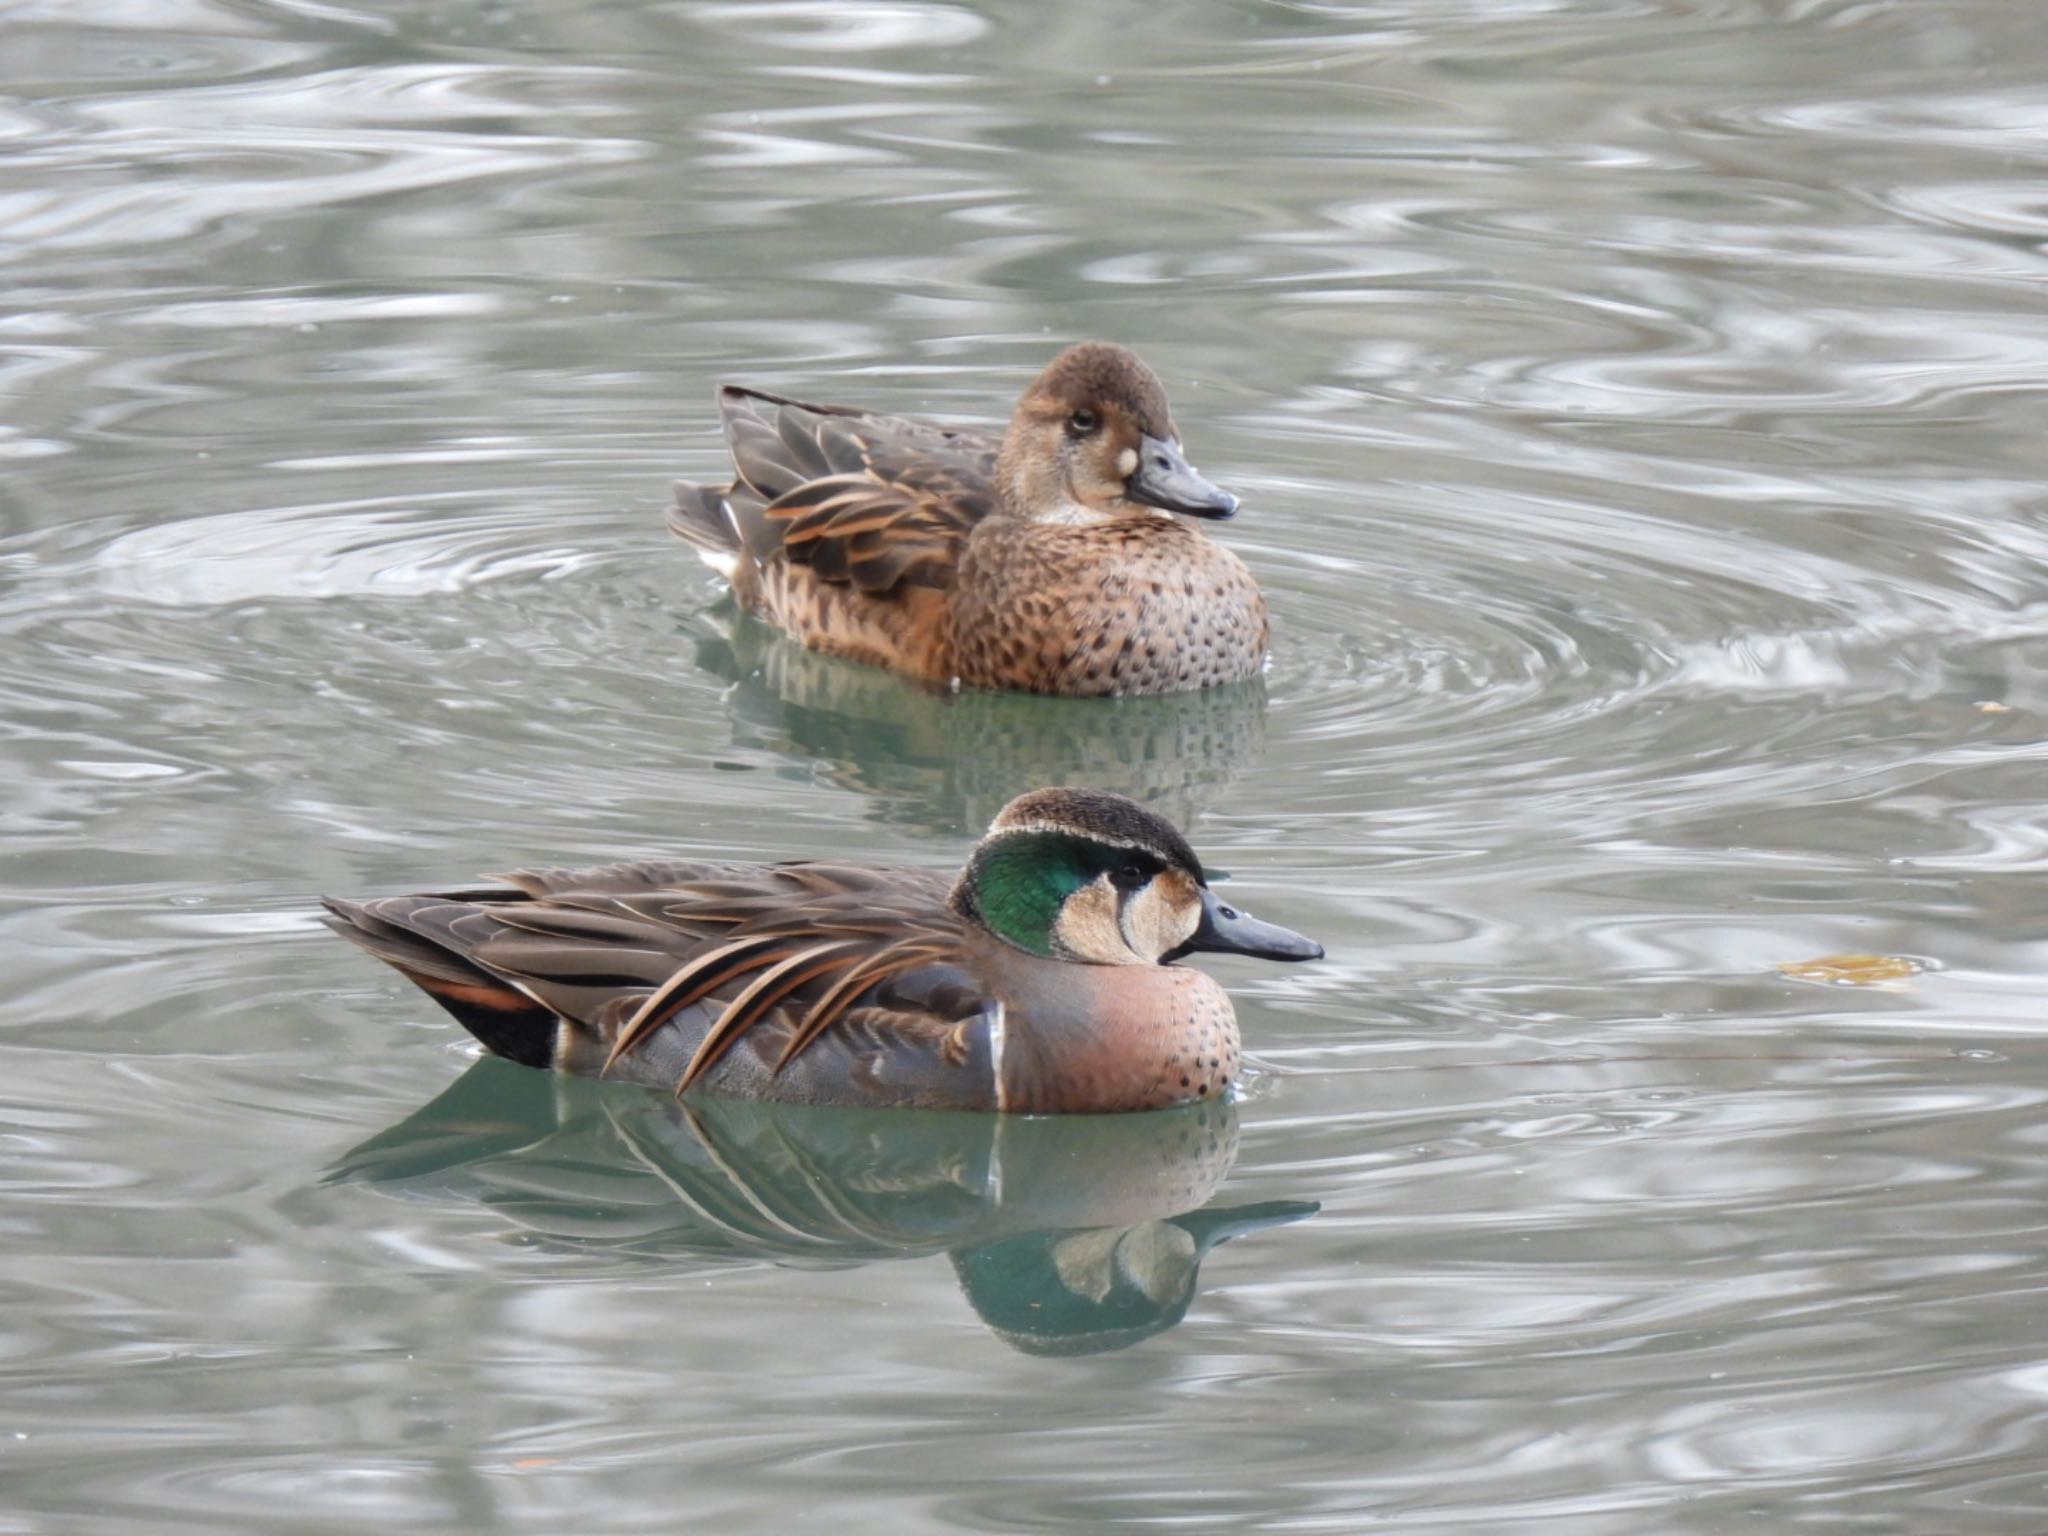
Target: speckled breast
[(1125, 1038), (1140, 605)]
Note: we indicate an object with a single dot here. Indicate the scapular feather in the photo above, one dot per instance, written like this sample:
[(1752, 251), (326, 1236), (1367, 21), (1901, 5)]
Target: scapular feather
[(757, 1001), (692, 984)]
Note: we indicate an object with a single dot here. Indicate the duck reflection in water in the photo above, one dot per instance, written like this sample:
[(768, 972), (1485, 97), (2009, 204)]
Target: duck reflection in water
[(947, 761), (1069, 1234)]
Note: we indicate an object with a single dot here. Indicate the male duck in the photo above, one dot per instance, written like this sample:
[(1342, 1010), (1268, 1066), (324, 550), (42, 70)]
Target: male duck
[(1048, 563), (1037, 981)]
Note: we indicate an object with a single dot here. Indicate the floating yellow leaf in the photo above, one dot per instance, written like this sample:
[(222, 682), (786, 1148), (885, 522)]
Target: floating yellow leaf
[(1992, 707), (1853, 970)]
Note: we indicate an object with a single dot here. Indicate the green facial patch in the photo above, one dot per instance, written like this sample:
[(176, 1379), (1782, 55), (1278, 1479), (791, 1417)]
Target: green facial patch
[(1021, 880)]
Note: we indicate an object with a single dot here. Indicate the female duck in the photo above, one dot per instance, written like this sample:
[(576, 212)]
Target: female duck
[(1048, 563), (1038, 981)]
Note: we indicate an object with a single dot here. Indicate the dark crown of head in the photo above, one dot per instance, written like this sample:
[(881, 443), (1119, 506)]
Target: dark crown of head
[(1108, 818), (1100, 373)]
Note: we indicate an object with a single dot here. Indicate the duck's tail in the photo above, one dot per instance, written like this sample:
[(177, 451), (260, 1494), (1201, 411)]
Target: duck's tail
[(702, 517), (415, 936)]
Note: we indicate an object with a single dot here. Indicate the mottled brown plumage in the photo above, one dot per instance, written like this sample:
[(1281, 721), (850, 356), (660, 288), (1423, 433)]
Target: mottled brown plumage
[(1035, 981), (1050, 562)]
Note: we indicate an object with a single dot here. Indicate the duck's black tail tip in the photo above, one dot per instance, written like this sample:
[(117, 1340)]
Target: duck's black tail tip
[(402, 932)]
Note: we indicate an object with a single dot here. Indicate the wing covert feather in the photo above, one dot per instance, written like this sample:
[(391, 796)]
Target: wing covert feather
[(875, 502)]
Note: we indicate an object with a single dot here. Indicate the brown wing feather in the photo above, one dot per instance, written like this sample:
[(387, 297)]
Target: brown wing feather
[(702, 977), (758, 1001), (875, 502), (856, 980), (625, 951)]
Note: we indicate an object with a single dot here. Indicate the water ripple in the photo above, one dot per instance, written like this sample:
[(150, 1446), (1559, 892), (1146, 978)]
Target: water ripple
[(325, 551), (130, 172), (1637, 409)]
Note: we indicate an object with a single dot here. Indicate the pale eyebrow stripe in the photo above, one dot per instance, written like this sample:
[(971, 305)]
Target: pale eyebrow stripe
[(1086, 837)]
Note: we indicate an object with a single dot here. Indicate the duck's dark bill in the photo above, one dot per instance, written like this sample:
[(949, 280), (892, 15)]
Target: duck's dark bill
[(1167, 480), (1227, 931)]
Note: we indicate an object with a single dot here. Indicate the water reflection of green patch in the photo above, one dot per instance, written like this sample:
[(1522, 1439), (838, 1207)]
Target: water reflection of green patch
[(1069, 1234)]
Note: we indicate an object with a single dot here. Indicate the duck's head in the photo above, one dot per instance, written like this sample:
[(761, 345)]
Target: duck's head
[(1092, 438), (1084, 875)]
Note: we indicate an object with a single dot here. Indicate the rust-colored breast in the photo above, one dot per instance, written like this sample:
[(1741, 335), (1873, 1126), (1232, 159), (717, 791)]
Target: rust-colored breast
[(1140, 605), (1114, 1038)]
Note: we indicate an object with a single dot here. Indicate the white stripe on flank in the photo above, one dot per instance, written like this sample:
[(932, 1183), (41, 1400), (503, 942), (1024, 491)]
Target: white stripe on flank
[(996, 1032)]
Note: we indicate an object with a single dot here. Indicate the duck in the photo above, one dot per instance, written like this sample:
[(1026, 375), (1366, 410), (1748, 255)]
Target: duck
[(1039, 980), (1056, 560)]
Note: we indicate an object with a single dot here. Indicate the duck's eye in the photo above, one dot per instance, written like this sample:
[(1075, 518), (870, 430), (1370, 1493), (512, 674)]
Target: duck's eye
[(1082, 422), (1130, 876)]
